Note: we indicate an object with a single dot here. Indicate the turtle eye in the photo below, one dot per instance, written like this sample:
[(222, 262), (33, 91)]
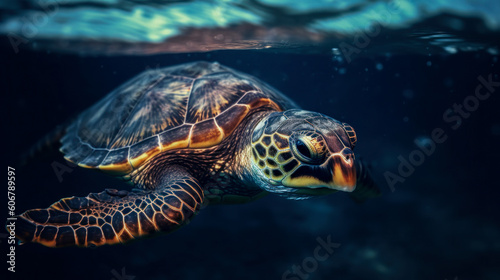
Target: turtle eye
[(303, 149), (308, 147)]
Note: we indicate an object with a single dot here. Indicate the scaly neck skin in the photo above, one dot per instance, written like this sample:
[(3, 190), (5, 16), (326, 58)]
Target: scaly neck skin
[(232, 157), (242, 162)]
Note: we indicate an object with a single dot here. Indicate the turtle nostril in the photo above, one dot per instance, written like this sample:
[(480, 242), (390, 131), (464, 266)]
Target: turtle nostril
[(348, 154)]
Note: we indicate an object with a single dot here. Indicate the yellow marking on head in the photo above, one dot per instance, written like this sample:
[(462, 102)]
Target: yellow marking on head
[(285, 144), (304, 181), (342, 176), (282, 135), (342, 180), (278, 177), (270, 163)]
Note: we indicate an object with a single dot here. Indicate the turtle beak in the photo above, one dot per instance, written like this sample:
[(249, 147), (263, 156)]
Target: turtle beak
[(343, 171), (337, 173)]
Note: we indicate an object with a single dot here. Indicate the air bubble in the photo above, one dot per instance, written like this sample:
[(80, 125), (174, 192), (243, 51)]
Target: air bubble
[(423, 141), (336, 51), (451, 49), (492, 51)]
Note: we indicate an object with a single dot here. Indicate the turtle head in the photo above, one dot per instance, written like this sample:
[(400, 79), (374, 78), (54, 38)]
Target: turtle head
[(299, 154)]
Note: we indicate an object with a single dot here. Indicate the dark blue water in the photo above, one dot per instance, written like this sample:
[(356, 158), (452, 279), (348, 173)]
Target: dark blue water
[(437, 218)]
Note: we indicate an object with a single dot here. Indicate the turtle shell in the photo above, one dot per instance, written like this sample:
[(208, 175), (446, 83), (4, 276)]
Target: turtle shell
[(193, 105)]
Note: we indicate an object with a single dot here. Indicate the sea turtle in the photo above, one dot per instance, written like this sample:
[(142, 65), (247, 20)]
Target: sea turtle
[(191, 134)]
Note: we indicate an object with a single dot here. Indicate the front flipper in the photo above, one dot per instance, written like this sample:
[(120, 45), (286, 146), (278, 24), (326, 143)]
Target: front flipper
[(111, 216)]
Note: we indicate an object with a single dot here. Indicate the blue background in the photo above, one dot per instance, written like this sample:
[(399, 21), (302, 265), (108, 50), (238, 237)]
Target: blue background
[(440, 223)]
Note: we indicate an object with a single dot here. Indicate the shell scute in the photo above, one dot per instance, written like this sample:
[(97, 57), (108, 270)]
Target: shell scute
[(176, 138), (193, 105), (213, 94), (78, 154), (143, 150), (205, 134), (94, 159), (230, 118), (118, 156)]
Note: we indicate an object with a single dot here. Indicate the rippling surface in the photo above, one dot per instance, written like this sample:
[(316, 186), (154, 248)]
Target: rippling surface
[(152, 27)]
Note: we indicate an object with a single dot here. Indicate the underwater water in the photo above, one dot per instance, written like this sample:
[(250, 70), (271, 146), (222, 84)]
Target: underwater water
[(422, 95)]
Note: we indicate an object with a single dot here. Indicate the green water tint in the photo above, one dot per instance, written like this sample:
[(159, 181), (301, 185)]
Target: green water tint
[(348, 27)]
